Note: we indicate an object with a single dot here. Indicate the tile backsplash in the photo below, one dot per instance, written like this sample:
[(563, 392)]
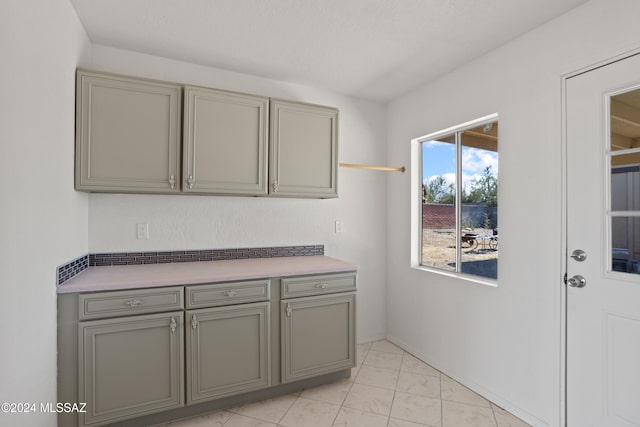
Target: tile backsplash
[(70, 269), (67, 271)]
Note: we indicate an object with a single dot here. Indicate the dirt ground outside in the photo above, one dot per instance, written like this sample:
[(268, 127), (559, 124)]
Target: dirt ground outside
[(439, 251)]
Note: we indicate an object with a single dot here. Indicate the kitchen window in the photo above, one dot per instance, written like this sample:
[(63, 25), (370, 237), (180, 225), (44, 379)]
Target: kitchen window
[(455, 200)]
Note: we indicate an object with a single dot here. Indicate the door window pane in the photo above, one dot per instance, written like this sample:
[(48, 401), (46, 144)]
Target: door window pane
[(624, 182), (625, 121), (625, 187), (625, 236)]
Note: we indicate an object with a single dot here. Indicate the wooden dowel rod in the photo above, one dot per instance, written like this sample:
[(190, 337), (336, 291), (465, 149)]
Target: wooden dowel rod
[(377, 168)]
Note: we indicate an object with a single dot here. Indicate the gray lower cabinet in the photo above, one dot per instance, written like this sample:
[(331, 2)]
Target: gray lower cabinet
[(130, 366), (227, 350), (134, 353), (317, 335), (303, 150), (225, 142), (127, 134)]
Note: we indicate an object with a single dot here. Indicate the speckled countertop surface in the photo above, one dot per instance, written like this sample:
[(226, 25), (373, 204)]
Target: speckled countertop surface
[(112, 278)]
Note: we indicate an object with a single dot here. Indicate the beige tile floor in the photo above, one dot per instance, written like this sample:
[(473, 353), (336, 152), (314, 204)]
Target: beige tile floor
[(388, 388)]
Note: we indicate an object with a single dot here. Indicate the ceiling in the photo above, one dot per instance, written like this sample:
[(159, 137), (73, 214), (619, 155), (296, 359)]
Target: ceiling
[(373, 49)]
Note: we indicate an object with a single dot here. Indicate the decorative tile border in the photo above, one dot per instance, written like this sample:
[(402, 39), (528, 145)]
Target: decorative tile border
[(70, 269), (133, 258), (74, 267)]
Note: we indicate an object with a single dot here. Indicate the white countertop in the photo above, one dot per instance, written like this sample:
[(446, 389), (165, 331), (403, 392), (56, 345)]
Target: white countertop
[(112, 278)]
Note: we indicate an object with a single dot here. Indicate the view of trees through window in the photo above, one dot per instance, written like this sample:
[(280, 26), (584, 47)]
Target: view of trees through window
[(484, 189), (460, 201)]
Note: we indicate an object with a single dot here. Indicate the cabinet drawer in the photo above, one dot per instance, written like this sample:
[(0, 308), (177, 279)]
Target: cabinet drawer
[(216, 294), (318, 285), (119, 303)]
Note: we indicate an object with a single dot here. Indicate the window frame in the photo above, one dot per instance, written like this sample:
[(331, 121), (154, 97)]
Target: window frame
[(416, 198)]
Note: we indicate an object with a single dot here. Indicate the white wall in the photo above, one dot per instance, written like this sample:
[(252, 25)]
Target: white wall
[(202, 222), (504, 342), (43, 221)]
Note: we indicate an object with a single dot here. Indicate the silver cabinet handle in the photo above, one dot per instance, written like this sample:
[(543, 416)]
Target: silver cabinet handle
[(172, 182), (321, 286), (133, 303), (275, 186), (190, 181), (194, 321), (173, 324), (229, 293), (288, 310)]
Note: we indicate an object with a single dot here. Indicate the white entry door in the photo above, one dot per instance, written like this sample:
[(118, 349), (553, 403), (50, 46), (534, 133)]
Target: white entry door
[(603, 220)]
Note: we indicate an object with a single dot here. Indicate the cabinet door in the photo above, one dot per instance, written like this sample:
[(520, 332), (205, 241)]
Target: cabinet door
[(304, 150), (227, 351), (317, 335), (127, 134), (130, 366), (225, 137)]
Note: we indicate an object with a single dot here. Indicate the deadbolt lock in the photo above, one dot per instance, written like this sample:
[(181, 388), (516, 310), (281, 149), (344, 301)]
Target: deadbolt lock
[(579, 255)]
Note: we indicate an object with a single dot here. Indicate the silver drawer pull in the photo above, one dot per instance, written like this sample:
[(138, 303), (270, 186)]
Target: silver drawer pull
[(173, 324), (133, 303), (229, 293), (288, 310), (322, 286)]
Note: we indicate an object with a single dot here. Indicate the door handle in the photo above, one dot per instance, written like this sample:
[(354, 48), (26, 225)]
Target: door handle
[(577, 281)]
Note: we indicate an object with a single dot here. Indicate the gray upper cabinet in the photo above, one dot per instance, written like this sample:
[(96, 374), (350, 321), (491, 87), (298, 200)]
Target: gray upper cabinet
[(303, 150), (137, 136), (225, 142), (127, 134)]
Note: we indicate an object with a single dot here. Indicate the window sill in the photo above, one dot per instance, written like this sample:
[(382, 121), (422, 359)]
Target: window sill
[(462, 276)]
